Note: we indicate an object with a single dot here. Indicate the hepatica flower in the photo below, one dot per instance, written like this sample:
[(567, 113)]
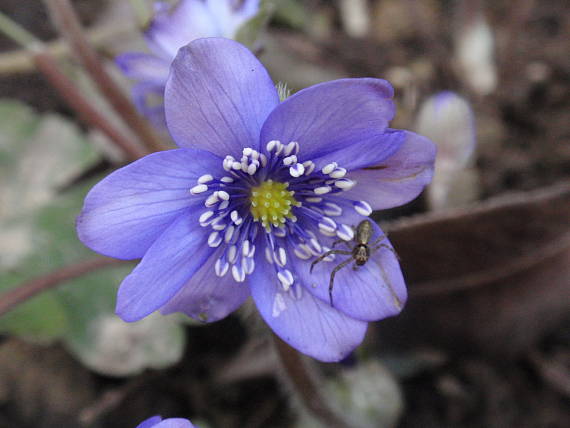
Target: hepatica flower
[(158, 422), (257, 190), (171, 28)]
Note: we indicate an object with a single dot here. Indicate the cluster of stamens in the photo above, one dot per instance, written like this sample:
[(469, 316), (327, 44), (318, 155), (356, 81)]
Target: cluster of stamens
[(267, 193)]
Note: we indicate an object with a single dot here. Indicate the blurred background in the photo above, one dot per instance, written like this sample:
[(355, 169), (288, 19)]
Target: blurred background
[(484, 340)]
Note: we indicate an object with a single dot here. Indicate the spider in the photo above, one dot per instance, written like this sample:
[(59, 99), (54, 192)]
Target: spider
[(360, 253)]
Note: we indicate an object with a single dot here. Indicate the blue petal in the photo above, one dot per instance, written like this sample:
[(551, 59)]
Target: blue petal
[(175, 423), (302, 320), (399, 178), (145, 67), (332, 116), (217, 97), (145, 96), (370, 292), (150, 422), (167, 265), (207, 297), (174, 27), (128, 210)]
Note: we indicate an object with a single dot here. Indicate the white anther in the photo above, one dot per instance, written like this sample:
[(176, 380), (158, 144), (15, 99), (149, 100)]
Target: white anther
[(315, 245), (263, 159), (281, 257), (327, 226), (292, 147), (248, 265), (338, 173), (245, 248), (251, 251), (236, 219), (297, 170), (251, 169), (247, 151), (238, 273), (290, 160), (313, 199), (327, 169), (221, 267), (229, 233), (232, 254), (222, 194), (268, 255), (302, 253), (332, 209), (286, 278), (345, 232), (280, 232), (227, 180), (278, 305), (271, 145), (309, 167), (200, 188), (236, 166), (214, 240), (330, 257), (322, 190), (206, 178), (223, 205), (204, 217), (363, 208), (212, 200), (345, 184)]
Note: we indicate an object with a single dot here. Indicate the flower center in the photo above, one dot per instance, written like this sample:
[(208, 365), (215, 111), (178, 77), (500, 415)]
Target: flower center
[(271, 203)]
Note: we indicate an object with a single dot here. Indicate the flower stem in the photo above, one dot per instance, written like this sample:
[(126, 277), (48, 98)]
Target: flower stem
[(17, 33), (16, 296), (304, 380), (64, 17), (73, 97)]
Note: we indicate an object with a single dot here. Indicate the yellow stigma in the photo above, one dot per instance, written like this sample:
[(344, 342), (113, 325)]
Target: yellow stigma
[(271, 204)]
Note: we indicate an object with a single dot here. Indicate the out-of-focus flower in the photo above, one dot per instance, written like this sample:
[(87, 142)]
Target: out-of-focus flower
[(257, 190), (158, 422), (474, 53), (171, 28), (448, 120)]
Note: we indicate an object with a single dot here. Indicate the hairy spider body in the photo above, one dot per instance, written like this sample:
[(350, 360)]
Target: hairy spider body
[(360, 253)]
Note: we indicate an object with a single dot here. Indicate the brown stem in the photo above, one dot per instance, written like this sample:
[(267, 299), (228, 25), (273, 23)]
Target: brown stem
[(305, 383), (16, 296), (73, 97), (64, 17)]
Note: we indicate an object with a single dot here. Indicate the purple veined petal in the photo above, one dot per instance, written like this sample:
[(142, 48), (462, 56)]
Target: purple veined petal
[(217, 97), (128, 210), (399, 178), (370, 292), (207, 297), (146, 67), (167, 265), (366, 153), (332, 116), (174, 26), (302, 320)]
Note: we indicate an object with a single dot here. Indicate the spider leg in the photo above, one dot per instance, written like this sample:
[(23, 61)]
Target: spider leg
[(325, 255), (387, 247), (333, 273), (340, 241), (378, 240)]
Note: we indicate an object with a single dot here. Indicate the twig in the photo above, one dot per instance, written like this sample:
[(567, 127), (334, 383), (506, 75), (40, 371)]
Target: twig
[(73, 97), (16, 296), (304, 381), (64, 17)]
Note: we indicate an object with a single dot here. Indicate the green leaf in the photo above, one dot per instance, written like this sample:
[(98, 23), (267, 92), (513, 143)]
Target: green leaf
[(248, 33), (39, 156)]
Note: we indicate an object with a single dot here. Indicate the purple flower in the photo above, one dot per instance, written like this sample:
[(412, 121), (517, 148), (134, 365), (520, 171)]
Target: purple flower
[(170, 29), (158, 422), (255, 192)]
